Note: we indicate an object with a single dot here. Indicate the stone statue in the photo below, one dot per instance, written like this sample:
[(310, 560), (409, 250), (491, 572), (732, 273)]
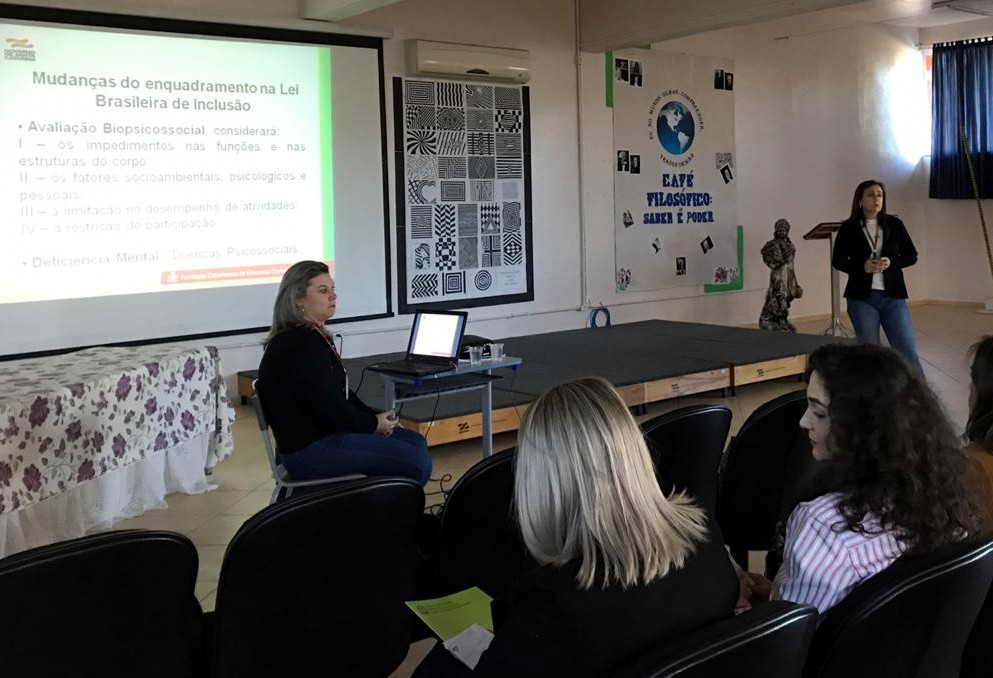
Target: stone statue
[(778, 255)]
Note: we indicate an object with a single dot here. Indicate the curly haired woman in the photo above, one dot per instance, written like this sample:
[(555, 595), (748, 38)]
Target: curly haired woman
[(896, 480)]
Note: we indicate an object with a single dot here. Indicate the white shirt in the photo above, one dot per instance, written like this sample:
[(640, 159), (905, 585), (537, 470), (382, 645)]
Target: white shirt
[(871, 230), (822, 565)]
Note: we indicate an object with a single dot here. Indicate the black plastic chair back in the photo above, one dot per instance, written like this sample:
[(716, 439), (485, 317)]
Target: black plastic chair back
[(977, 661), (315, 585), (687, 445), (479, 540), (769, 641), (115, 605), (766, 469), (910, 620)]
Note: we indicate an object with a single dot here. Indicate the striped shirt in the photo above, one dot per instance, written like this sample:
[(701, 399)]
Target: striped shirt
[(821, 565)]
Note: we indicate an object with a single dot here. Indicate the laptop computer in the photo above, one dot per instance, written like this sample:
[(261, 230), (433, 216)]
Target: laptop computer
[(435, 338)]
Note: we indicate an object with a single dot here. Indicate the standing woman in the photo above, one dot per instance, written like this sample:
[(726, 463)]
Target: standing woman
[(873, 248), (322, 428)]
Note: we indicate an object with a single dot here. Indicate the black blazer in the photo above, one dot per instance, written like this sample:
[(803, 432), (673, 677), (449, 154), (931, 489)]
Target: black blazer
[(302, 387), (851, 249), (546, 626)]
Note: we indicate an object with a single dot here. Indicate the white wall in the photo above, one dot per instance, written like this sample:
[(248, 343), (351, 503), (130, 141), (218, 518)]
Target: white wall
[(613, 24), (814, 115)]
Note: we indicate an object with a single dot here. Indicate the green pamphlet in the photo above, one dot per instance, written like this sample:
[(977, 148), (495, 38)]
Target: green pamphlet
[(451, 615)]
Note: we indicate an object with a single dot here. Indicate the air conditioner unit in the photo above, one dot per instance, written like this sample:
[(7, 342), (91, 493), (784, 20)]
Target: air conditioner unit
[(470, 62)]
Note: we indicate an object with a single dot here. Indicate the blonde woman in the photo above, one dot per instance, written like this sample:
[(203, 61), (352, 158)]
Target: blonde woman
[(624, 567)]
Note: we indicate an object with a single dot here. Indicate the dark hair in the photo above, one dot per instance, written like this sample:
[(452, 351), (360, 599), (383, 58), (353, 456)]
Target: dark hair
[(292, 287), (979, 430), (894, 454), (857, 215)]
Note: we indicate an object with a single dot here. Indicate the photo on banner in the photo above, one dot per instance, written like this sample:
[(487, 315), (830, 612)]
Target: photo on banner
[(463, 188), (674, 177)]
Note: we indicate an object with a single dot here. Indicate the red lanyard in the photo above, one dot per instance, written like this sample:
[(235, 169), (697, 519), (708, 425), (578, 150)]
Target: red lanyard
[(873, 239), (330, 344)]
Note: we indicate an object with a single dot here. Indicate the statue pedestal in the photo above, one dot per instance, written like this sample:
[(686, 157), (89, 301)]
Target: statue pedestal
[(826, 231)]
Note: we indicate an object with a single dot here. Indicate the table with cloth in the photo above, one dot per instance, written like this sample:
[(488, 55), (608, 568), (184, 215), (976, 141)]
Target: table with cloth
[(99, 435)]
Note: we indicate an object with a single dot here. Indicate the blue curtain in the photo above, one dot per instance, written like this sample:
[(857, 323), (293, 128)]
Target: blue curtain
[(962, 78)]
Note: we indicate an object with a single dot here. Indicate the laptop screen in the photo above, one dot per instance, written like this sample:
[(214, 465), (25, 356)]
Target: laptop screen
[(437, 334)]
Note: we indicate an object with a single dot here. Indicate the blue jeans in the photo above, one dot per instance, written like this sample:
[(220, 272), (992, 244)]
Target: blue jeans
[(893, 315), (404, 453)]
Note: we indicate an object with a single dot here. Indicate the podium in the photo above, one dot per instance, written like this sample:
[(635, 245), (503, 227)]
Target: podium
[(826, 231)]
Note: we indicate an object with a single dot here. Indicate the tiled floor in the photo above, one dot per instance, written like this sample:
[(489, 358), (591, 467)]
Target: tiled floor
[(944, 334)]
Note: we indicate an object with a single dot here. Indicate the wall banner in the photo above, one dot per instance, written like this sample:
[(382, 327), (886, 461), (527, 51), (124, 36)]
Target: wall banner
[(675, 194)]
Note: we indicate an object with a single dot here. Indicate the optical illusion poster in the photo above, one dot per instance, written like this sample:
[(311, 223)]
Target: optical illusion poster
[(675, 195), (463, 184)]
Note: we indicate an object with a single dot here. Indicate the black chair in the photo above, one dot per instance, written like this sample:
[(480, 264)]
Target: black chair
[(315, 585), (977, 660), (115, 604), (479, 541), (687, 445), (769, 641), (910, 620), (766, 468)]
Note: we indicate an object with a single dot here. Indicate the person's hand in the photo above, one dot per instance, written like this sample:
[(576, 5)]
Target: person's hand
[(885, 263), (874, 265), (745, 584), (386, 422), (761, 588)]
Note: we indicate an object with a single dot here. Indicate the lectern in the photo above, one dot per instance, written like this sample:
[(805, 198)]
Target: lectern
[(826, 231)]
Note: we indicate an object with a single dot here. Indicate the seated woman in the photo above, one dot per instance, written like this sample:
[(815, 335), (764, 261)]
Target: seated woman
[(895, 481), (322, 428), (624, 567), (979, 429)]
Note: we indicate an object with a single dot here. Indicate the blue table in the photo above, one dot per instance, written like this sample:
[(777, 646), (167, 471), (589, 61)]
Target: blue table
[(398, 388)]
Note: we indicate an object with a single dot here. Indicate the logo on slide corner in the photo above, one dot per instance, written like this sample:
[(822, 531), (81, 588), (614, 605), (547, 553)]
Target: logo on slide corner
[(18, 49)]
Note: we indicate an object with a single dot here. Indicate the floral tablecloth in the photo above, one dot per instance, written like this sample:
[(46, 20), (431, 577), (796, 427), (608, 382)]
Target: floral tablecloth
[(67, 419)]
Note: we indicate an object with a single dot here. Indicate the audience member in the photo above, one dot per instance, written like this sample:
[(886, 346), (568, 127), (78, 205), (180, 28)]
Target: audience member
[(979, 429), (322, 428), (895, 481), (873, 248), (624, 567)]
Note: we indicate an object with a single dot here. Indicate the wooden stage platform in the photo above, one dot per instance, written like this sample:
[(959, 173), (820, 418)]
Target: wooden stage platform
[(646, 361)]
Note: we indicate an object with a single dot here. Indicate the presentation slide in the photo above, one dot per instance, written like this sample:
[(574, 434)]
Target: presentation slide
[(159, 185)]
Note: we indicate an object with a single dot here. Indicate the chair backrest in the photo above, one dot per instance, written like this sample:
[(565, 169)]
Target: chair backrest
[(766, 468), (479, 540), (769, 641), (115, 604), (977, 660), (270, 448), (910, 620), (687, 445), (315, 585)]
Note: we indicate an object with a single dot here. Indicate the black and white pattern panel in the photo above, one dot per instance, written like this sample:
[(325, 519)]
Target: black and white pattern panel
[(420, 221), (507, 97), (452, 168), (462, 146), (452, 119), (451, 94)]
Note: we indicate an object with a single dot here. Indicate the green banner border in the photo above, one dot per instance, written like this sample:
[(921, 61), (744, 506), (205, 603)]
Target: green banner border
[(609, 64), (324, 97), (735, 285)]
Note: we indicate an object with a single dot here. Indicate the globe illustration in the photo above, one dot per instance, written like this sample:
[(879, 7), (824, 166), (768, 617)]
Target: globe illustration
[(676, 128)]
